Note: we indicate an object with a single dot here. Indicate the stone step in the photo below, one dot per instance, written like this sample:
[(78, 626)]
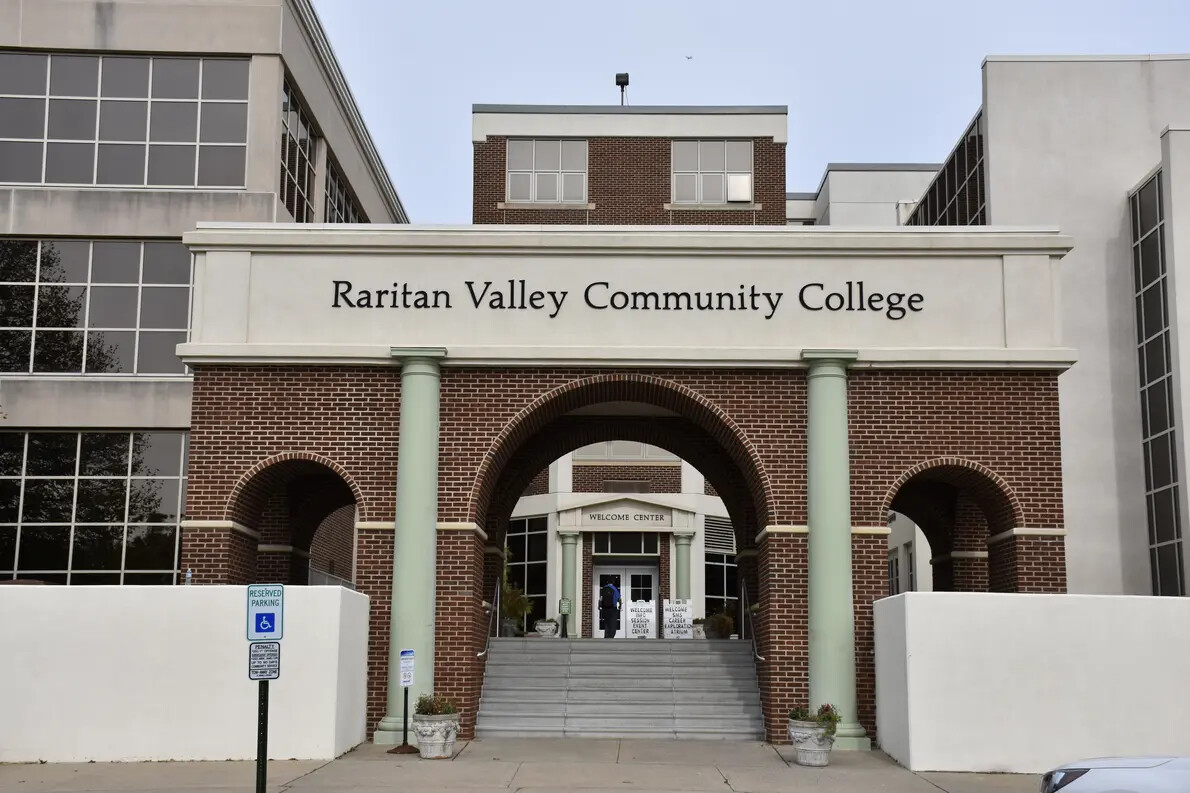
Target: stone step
[(659, 698), (620, 689), (683, 660)]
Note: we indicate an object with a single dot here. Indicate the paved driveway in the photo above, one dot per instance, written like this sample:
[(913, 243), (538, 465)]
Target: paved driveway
[(539, 766)]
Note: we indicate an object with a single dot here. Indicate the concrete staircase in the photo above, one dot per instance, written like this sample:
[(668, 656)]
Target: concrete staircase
[(621, 688)]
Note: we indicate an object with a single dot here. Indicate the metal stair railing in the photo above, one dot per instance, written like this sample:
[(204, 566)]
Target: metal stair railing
[(493, 623), (748, 620)]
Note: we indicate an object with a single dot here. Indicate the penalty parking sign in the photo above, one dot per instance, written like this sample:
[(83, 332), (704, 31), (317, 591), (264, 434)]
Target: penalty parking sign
[(266, 612), (264, 660)]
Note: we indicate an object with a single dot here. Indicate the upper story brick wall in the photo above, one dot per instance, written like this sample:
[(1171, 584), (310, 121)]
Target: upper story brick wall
[(628, 181)]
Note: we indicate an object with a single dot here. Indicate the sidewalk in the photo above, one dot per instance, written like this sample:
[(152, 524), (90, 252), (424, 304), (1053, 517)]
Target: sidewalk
[(540, 766)]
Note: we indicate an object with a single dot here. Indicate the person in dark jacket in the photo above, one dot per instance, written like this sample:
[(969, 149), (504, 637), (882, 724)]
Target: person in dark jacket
[(609, 609)]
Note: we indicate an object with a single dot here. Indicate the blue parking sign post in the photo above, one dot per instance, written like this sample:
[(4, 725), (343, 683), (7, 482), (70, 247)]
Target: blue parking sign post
[(266, 624)]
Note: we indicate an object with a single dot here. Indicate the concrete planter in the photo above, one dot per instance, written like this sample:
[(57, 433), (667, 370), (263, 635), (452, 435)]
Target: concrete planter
[(812, 743), (436, 735), (546, 629)]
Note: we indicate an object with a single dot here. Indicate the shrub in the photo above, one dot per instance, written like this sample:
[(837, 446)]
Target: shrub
[(826, 716), (434, 705), (720, 626)]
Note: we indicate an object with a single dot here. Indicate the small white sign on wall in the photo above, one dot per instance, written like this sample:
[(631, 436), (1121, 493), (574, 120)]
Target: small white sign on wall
[(678, 619), (642, 619)]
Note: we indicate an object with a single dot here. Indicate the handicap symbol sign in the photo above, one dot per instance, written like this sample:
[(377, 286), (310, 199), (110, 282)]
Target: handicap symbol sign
[(266, 612)]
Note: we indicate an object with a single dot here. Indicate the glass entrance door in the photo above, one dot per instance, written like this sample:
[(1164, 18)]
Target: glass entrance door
[(633, 583)]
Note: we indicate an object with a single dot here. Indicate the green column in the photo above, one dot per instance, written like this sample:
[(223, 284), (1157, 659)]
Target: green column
[(411, 624), (828, 480), (569, 579), (682, 565)]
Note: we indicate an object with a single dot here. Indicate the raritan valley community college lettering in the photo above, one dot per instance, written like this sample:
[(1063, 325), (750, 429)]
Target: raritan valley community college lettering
[(517, 295)]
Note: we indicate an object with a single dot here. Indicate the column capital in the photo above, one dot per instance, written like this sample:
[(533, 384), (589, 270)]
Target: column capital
[(684, 538), (413, 355), (829, 363), (569, 537)]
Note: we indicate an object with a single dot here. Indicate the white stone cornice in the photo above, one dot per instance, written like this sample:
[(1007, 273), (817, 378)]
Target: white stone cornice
[(463, 526), (230, 525), (1024, 531)]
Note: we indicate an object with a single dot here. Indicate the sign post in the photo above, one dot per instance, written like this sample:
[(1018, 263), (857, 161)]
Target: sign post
[(564, 612), (266, 621), (407, 660)]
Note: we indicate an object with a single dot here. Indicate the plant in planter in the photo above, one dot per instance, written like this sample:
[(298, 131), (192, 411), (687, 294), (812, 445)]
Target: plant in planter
[(547, 628), (436, 725), (813, 734), (720, 626), (515, 606), (700, 628)]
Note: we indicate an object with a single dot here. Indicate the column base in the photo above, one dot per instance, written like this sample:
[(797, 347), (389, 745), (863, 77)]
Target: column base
[(852, 738), (388, 733)]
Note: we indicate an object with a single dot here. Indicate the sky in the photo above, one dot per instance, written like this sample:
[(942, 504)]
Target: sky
[(864, 81)]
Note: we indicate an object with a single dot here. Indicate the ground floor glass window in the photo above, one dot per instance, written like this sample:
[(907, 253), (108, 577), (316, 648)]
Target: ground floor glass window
[(526, 562), (723, 591), (91, 507)]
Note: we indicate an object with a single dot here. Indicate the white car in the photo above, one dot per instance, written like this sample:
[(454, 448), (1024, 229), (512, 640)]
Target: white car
[(1120, 775)]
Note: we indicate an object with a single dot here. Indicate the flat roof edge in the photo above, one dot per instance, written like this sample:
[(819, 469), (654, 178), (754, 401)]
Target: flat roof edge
[(801, 196), (628, 110), (1082, 58)]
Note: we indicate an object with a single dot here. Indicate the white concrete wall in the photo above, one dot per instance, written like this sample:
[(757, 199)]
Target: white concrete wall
[(160, 673), (1022, 683), (871, 196), (905, 531), (1067, 139)]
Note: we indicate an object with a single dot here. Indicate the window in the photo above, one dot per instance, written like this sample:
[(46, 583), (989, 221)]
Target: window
[(911, 567), (722, 582), (122, 120), (91, 507), (547, 171), (626, 543), (93, 307), (1157, 397), (894, 573), (623, 450), (525, 562), (956, 197), (341, 206), (297, 158), (712, 171), (625, 486)]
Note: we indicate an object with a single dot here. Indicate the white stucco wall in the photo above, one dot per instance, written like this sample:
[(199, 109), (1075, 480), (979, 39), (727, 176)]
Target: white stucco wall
[(1022, 683), (869, 195), (1067, 139), (161, 673)]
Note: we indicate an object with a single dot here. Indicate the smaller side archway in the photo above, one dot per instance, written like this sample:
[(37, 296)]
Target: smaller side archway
[(960, 505), (302, 510)]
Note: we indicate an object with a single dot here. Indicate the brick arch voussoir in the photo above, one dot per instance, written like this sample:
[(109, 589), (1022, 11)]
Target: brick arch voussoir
[(996, 496), (267, 471), (632, 387)]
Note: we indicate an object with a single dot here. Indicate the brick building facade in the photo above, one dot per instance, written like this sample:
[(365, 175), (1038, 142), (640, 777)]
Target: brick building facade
[(746, 428), (811, 406)]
